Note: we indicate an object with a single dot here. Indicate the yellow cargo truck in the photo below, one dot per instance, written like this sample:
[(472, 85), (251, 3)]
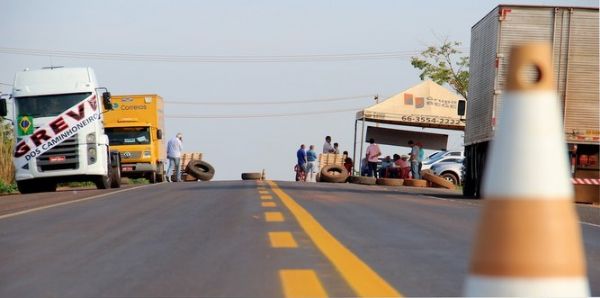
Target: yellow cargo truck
[(135, 128)]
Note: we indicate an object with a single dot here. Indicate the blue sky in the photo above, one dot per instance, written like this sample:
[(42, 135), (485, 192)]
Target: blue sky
[(244, 28)]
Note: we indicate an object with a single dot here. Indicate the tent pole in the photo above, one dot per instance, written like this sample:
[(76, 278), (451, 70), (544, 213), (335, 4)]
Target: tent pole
[(362, 142), (354, 148)]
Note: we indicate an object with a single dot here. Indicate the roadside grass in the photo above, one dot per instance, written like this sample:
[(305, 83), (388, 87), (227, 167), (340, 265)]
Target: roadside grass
[(7, 169), (8, 188)]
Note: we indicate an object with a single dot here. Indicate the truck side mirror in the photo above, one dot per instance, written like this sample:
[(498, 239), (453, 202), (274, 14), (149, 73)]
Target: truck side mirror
[(159, 134), (462, 107), (106, 101), (3, 108)]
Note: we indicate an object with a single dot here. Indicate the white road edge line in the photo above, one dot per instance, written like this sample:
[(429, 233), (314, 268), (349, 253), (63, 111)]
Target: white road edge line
[(72, 202), (589, 224)]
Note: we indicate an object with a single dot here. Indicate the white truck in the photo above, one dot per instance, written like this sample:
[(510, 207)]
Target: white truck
[(573, 34), (59, 130)]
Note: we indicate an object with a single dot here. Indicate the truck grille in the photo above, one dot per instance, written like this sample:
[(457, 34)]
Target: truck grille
[(63, 156), (131, 155)]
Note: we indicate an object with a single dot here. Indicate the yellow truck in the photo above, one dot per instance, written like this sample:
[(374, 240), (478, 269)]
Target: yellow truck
[(135, 128)]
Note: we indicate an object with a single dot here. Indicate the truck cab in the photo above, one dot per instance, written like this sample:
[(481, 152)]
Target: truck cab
[(59, 133), (135, 129)]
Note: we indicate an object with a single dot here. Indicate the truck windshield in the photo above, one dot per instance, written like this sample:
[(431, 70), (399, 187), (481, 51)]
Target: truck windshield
[(48, 105), (128, 135)]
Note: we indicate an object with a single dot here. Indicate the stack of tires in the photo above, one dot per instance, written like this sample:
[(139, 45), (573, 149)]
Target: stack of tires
[(201, 170)]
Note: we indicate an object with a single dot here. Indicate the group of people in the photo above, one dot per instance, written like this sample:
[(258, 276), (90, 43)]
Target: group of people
[(307, 166), (398, 166)]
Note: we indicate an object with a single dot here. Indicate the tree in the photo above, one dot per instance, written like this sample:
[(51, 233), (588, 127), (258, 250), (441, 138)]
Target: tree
[(440, 65)]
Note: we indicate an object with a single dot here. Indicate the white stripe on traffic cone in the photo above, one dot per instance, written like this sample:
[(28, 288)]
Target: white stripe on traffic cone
[(529, 241)]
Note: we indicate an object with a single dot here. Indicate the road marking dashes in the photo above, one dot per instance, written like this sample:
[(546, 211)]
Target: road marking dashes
[(274, 217), (301, 283), (269, 204), (266, 197), (282, 240)]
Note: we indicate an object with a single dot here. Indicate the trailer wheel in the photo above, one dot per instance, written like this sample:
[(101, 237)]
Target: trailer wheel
[(334, 174), (200, 169), (251, 176)]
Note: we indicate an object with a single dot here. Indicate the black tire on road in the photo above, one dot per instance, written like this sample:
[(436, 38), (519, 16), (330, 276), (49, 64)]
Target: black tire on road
[(200, 169), (438, 181), (363, 180), (334, 174), (251, 176), (390, 181), (160, 177), (151, 177)]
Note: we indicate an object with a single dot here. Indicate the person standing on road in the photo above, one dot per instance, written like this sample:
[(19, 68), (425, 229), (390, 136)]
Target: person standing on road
[(414, 160), (174, 148), (327, 148), (373, 154), (301, 155), (311, 164), (421, 155)]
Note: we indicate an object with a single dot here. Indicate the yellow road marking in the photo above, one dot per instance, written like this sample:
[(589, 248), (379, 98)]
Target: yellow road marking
[(282, 240), (266, 197), (274, 216), (261, 188), (268, 204), (263, 192), (362, 279), (301, 283), (74, 201)]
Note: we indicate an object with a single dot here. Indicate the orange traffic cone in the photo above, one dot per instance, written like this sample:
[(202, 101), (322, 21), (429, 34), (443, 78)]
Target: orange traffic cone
[(529, 241)]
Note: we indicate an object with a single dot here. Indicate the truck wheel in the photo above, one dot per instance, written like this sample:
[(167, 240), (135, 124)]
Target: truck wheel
[(334, 174), (200, 169), (152, 177), (160, 177), (116, 177), (103, 182)]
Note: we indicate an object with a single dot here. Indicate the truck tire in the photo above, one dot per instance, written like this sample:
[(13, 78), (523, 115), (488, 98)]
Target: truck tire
[(390, 181), (415, 182), (151, 177), (251, 176), (438, 181), (334, 174), (103, 182), (160, 177), (363, 180), (200, 169), (115, 181)]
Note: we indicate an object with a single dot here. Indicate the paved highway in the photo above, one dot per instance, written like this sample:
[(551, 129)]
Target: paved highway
[(243, 238)]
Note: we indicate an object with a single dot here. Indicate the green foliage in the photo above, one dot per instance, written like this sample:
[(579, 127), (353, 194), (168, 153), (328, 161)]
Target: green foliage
[(441, 65), (77, 184), (7, 139), (139, 181), (6, 188)]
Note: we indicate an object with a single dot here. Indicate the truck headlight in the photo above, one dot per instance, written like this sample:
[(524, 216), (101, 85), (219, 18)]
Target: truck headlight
[(92, 155), (90, 138)]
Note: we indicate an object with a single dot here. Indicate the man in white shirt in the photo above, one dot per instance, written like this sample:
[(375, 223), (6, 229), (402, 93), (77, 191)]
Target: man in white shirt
[(174, 148), (327, 148)]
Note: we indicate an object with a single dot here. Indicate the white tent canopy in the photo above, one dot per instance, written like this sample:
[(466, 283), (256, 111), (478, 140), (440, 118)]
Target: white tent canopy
[(426, 105)]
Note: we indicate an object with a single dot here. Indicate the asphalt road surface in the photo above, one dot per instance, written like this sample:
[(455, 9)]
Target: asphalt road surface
[(246, 239)]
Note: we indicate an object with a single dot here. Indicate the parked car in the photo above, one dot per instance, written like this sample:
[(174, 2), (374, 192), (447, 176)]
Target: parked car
[(450, 169), (442, 156)]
